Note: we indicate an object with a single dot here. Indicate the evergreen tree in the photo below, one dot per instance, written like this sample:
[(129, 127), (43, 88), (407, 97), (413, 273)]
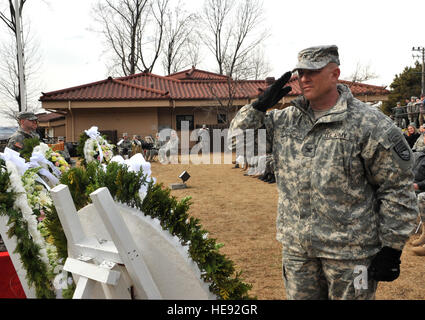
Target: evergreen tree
[(404, 85)]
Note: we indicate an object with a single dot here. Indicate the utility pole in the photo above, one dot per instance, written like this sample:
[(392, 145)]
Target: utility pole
[(422, 51), (20, 55)]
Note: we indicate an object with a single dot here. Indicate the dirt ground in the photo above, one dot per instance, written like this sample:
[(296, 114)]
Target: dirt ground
[(240, 212)]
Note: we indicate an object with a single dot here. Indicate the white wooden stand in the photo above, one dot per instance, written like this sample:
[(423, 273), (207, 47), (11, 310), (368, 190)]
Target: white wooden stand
[(118, 265)]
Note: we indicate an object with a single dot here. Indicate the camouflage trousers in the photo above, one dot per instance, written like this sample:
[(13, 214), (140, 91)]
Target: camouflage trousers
[(308, 278)]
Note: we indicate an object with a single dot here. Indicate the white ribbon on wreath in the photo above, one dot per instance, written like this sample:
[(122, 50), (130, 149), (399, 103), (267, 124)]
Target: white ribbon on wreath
[(14, 157), (38, 159), (134, 164), (21, 203)]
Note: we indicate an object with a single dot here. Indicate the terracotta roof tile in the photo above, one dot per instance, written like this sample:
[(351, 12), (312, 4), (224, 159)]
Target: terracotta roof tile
[(196, 74), (147, 86), (45, 117)]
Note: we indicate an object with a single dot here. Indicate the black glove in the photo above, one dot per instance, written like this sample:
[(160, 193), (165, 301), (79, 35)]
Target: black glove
[(385, 266), (273, 94)]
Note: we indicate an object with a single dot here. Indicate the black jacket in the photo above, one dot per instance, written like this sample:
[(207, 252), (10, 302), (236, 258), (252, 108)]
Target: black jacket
[(419, 170), (411, 139)]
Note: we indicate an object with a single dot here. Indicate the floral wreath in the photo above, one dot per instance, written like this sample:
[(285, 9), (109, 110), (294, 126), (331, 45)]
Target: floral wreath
[(96, 148)]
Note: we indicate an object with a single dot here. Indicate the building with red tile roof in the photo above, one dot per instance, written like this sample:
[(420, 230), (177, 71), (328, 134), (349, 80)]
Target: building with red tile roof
[(144, 103), (53, 124)]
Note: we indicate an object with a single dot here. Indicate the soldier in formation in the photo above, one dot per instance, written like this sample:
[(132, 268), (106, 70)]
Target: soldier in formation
[(345, 183)]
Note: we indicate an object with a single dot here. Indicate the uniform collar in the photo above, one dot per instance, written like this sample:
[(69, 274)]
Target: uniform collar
[(337, 113), (24, 132)]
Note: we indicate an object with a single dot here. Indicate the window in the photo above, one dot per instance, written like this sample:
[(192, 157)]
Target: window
[(181, 118), (221, 118)]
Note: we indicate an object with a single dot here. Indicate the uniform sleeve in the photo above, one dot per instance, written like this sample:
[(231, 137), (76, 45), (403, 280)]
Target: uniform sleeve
[(250, 118), (388, 164), (15, 143)]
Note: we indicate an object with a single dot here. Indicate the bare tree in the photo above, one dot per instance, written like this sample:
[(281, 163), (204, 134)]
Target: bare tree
[(178, 39), (133, 31), (232, 32), (362, 73), (11, 23), (9, 76), (224, 105), (193, 51), (216, 36), (255, 66), (10, 90)]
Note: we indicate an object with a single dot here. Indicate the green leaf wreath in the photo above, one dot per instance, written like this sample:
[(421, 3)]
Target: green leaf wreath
[(28, 250)]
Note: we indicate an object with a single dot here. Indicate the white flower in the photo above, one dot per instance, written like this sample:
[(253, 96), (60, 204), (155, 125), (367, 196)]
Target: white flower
[(44, 199), (21, 203), (97, 146), (42, 148)]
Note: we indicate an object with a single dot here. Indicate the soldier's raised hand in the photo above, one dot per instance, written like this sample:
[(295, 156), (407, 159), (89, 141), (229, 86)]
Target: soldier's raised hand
[(273, 94)]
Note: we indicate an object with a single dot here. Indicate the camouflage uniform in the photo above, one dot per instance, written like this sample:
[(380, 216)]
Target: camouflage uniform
[(345, 187), (411, 110), (269, 163), (16, 141), (156, 145), (398, 114), (124, 147)]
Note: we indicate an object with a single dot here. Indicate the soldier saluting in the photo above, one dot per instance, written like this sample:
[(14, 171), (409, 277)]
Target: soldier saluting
[(344, 178), (28, 123)]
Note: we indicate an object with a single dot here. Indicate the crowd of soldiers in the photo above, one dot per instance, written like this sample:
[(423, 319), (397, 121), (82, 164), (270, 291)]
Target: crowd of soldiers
[(412, 112)]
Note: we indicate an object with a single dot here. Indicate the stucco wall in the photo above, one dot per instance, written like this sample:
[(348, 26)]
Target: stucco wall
[(140, 121)]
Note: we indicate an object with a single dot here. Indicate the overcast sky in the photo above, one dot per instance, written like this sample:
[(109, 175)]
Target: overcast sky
[(380, 34)]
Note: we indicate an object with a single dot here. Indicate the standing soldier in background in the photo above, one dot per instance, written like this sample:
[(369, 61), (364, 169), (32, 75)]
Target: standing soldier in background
[(124, 146), (416, 111), (28, 123), (344, 178), (398, 115), (421, 110), (410, 107)]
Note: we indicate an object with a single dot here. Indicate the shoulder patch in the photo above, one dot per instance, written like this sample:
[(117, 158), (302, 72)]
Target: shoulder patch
[(399, 144)]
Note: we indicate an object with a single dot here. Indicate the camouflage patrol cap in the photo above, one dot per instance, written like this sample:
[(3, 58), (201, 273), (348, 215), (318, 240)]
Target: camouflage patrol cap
[(27, 115), (315, 58)]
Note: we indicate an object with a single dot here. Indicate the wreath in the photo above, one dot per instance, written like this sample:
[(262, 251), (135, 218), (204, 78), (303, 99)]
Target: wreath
[(94, 147)]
